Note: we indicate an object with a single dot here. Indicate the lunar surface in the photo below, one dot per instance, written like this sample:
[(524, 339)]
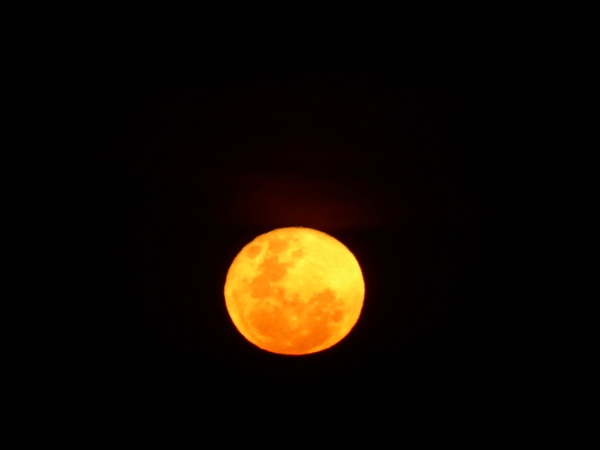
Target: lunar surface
[(294, 291)]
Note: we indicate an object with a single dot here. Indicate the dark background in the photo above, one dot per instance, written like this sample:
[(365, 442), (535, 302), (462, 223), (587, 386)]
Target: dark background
[(159, 162)]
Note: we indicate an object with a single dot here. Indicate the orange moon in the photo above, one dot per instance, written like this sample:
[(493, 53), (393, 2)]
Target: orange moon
[(294, 291)]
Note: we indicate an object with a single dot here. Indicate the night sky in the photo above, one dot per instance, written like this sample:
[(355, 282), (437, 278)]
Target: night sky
[(160, 165)]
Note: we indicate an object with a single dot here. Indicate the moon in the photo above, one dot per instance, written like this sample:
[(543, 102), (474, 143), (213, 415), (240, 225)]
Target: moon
[(294, 291)]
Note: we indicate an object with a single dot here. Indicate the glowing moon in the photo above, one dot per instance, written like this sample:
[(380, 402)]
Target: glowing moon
[(294, 291)]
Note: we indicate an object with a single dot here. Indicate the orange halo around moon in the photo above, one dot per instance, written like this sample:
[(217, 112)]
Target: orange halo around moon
[(294, 291)]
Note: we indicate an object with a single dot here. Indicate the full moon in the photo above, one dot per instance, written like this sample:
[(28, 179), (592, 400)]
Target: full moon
[(294, 291)]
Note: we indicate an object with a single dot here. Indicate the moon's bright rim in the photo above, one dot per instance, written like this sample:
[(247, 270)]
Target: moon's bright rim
[(294, 291)]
